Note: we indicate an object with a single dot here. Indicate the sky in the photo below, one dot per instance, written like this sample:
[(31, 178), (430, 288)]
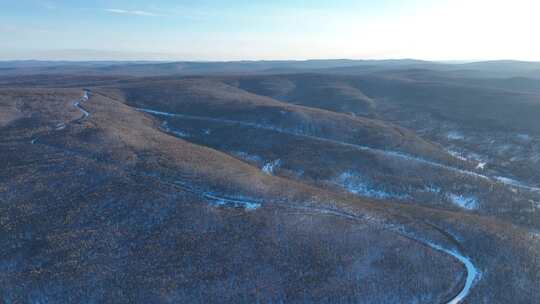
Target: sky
[(278, 29)]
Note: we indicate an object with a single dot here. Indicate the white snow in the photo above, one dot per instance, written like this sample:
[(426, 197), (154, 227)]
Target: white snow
[(252, 206), (179, 133), (515, 183), (77, 104), (432, 189), (455, 135), (355, 184), (270, 167), (472, 272), (507, 180), (245, 205), (215, 199), (85, 96), (158, 112), (232, 202), (475, 156), (389, 153), (457, 155), (466, 202)]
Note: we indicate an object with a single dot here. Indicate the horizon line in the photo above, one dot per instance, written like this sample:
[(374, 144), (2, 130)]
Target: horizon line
[(444, 61)]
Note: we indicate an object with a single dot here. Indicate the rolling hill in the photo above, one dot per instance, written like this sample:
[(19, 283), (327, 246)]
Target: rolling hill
[(120, 183)]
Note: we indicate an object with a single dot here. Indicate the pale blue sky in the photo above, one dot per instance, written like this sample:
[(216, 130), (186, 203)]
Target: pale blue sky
[(279, 29)]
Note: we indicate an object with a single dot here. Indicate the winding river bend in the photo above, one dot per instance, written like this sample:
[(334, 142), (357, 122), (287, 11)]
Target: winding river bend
[(77, 104), (472, 273)]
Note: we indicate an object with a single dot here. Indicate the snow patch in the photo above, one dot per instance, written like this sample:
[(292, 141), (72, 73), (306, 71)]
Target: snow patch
[(270, 167), (455, 135), (218, 200), (85, 96), (432, 189), (515, 183), (60, 126), (356, 184), (240, 202), (245, 205), (508, 181), (457, 155), (481, 165), (475, 156), (466, 202), (157, 112), (179, 133), (389, 153), (166, 128)]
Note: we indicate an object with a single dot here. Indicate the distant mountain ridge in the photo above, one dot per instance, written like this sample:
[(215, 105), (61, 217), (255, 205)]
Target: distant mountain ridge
[(495, 69)]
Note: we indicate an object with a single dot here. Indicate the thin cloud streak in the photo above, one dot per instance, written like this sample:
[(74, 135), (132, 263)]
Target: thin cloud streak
[(131, 12)]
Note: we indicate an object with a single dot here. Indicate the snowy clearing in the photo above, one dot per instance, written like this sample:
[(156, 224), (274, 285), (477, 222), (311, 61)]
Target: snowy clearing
[(356, 184), (466, 202), (269, 168)]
